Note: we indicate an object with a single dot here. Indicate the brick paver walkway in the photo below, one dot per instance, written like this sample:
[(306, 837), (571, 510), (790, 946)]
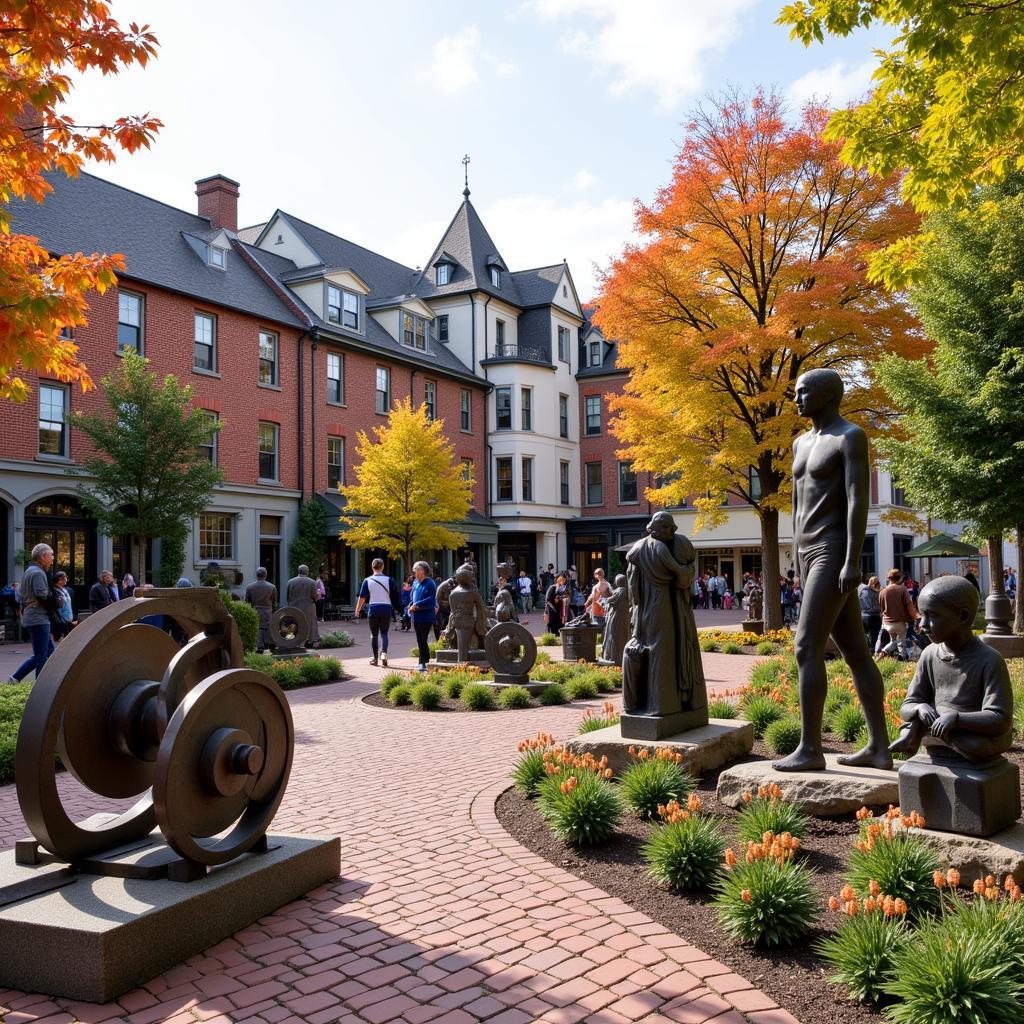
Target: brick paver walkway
[(438, 914)]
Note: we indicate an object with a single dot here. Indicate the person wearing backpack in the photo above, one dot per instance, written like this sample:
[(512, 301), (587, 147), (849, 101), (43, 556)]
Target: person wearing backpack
[(38, 604), (381, 596)]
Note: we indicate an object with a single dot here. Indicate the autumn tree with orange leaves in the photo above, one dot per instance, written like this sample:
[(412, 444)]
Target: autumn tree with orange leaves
[(753, 270), (42, 42)]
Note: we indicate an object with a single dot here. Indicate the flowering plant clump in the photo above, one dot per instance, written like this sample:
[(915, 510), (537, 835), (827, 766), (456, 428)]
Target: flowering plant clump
[(769, 812), (530, 770), (685, 852), (559, 760), (581, 806), (887, 854), (746, 638), (862, 953), (603, 719), (760, 712), (653, 781), (768, 899)]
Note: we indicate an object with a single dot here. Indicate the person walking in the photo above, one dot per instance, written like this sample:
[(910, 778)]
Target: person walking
[(554, 598), (599, 593), (37, 604), (870, 611), (262, 595), (406, 599), (65, 618), (381, 596), (300, 593), (321, 597), (525, 587), (898, 612), (102, 592), (423, 610)]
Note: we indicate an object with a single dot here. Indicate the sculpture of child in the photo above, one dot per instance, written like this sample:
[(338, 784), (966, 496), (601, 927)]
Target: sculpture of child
[(468, 612), (960, 696), (616, 622)]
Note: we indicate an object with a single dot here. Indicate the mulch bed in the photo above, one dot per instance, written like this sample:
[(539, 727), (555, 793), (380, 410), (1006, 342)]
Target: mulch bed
[(795, 978), (378, 700)]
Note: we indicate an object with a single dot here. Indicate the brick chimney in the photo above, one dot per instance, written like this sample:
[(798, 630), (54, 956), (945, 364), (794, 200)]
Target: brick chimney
[(218, 201)]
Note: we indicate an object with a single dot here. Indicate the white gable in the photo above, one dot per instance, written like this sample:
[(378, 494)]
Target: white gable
[(282, 239)]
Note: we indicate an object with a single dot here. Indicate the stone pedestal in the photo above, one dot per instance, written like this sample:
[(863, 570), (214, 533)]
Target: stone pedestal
[(659, 727), (93, 938), (720, 741), (503, 680), (753, 626), (1009, 645), (957, 795), (289, 655), (974, 857), (449, 658), (836, 790)]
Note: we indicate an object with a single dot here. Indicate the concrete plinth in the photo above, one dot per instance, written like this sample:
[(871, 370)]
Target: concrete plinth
[(974, 857), (720, 741), (661, 727), (448, 658), (753, 626), (98, 937), (956, 795), (836, 790), (503, 680), (294, 652), (1009, 646)]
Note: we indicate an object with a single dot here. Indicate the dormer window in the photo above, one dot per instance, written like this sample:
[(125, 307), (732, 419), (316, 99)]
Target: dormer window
[(444, 273), (495, 277), (594, 354), (342, 307), (217, 256), (414, 331)]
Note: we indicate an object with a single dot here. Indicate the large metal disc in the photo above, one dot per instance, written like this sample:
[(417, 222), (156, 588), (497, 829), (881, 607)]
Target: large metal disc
[(202, 656), (510, 648), (236, 722), (288, 628)]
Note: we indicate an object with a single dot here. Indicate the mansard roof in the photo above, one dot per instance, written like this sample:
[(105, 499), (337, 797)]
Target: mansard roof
[(591, 332)]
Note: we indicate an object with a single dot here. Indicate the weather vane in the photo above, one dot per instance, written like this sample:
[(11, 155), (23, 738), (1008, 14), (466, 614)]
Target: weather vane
[(465, 167)]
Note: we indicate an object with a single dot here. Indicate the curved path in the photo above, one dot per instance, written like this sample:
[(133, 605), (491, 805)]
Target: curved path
[(439, 915)]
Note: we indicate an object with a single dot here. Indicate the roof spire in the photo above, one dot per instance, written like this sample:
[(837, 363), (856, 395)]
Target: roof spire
[(465, 169)]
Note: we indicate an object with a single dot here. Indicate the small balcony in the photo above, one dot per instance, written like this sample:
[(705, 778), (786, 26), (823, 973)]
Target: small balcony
[(517, 353)]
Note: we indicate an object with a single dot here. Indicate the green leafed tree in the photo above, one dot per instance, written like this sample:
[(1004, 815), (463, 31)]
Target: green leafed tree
[(408, 487), (946, 103), (962, 453), (310, 543), (147, 474)]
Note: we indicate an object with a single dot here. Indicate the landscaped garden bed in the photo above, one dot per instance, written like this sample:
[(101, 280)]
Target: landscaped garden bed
[(767, 919), (775, 641)]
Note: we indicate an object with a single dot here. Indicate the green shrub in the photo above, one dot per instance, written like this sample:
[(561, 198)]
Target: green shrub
[(603, 682), (478, 697), (260, 663), (1002, 918), (761, 712), (722, 709), (581, 688), (172, 558), (391, 680), (902, 866), (547, 640), (426, 696), (943, 977), (335, 668), (888, 667), (514, 697), (580, 813), (646, 784), (783, 736), (401, 694), (12, 706), (529, 772), (543, 658), (766, 649), (847, 722), (453, 684), (767, 903), (337, 638), (731, 648), (709, 646), (287, 675), (554, 693), (686, 854), (314, 671), (862, 953), (768, 814), (247, 619)]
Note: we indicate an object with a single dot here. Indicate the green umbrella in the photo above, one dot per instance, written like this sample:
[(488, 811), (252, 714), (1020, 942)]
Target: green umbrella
[(942, 546)]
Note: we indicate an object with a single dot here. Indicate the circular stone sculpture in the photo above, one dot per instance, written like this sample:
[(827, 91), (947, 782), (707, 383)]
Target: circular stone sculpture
[(510, 648), (288, 629), (203, 744)]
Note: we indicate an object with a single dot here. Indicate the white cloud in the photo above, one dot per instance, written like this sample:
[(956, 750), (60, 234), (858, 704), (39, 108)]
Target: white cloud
[(580, 182), (657, 45), (453, 68), (506, 68), (838, 84)]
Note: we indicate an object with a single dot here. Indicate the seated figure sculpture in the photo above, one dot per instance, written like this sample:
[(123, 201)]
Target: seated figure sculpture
[(468, 612), (960, 707)]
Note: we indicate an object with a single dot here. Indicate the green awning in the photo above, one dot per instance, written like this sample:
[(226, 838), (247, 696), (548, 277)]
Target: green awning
[(942, 546), (477, 528)]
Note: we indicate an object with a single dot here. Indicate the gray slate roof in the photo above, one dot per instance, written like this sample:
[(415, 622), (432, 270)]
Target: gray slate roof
[(467, 241), (590, 332), (88, 214), (539, 287)]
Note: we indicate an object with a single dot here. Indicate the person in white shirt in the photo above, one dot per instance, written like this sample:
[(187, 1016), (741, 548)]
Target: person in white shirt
[(524, 585)]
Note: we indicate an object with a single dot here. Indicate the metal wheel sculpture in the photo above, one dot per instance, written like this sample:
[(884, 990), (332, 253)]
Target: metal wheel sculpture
[(203, 744), (510, 648), (289, 629)]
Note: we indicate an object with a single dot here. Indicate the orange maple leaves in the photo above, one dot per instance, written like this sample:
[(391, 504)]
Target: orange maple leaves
[(41, 295)]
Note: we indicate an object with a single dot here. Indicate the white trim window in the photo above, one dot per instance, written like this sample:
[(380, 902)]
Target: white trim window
[(563, 344), (414, 331), (53, 428), (205, 348), (444, 273), (383, 390), (268, 358), (216, 537), (269, 445), (336, 378), (217, 257), (503, 408), (208, 449), (495, 277), (130, 313), (430, 398), (592, 415)]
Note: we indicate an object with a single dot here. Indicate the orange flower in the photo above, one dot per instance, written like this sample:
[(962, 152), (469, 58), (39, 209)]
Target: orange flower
[(833, 903), (939, 880), (745, 895), (888, 906), (870, 906), (874, 888), (851, 908), (953, 877), (900, 906), (847, 893), (730, 856), (979, 886), (747, 798)]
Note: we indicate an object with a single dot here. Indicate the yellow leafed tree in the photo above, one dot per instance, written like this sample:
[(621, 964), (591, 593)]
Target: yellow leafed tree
[(408, 486)]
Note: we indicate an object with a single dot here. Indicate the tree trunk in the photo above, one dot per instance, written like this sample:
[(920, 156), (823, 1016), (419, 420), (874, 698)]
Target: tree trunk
[(995, 565), (770, 568), (1018, 618)]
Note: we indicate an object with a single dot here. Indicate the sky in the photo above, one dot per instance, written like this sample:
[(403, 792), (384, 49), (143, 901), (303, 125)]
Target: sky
[(356, 115)]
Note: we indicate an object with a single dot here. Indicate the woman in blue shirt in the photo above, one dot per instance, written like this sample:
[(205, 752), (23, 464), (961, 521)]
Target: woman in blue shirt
[(422, 610)]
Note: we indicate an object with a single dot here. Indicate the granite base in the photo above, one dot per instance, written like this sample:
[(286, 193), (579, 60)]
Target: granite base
[(659, 727), (96, 937), (1008, 645)]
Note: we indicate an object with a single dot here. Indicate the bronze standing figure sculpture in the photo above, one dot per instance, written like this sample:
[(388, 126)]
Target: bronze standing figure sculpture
[(616, 623), (831, 491), (469, 613)]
